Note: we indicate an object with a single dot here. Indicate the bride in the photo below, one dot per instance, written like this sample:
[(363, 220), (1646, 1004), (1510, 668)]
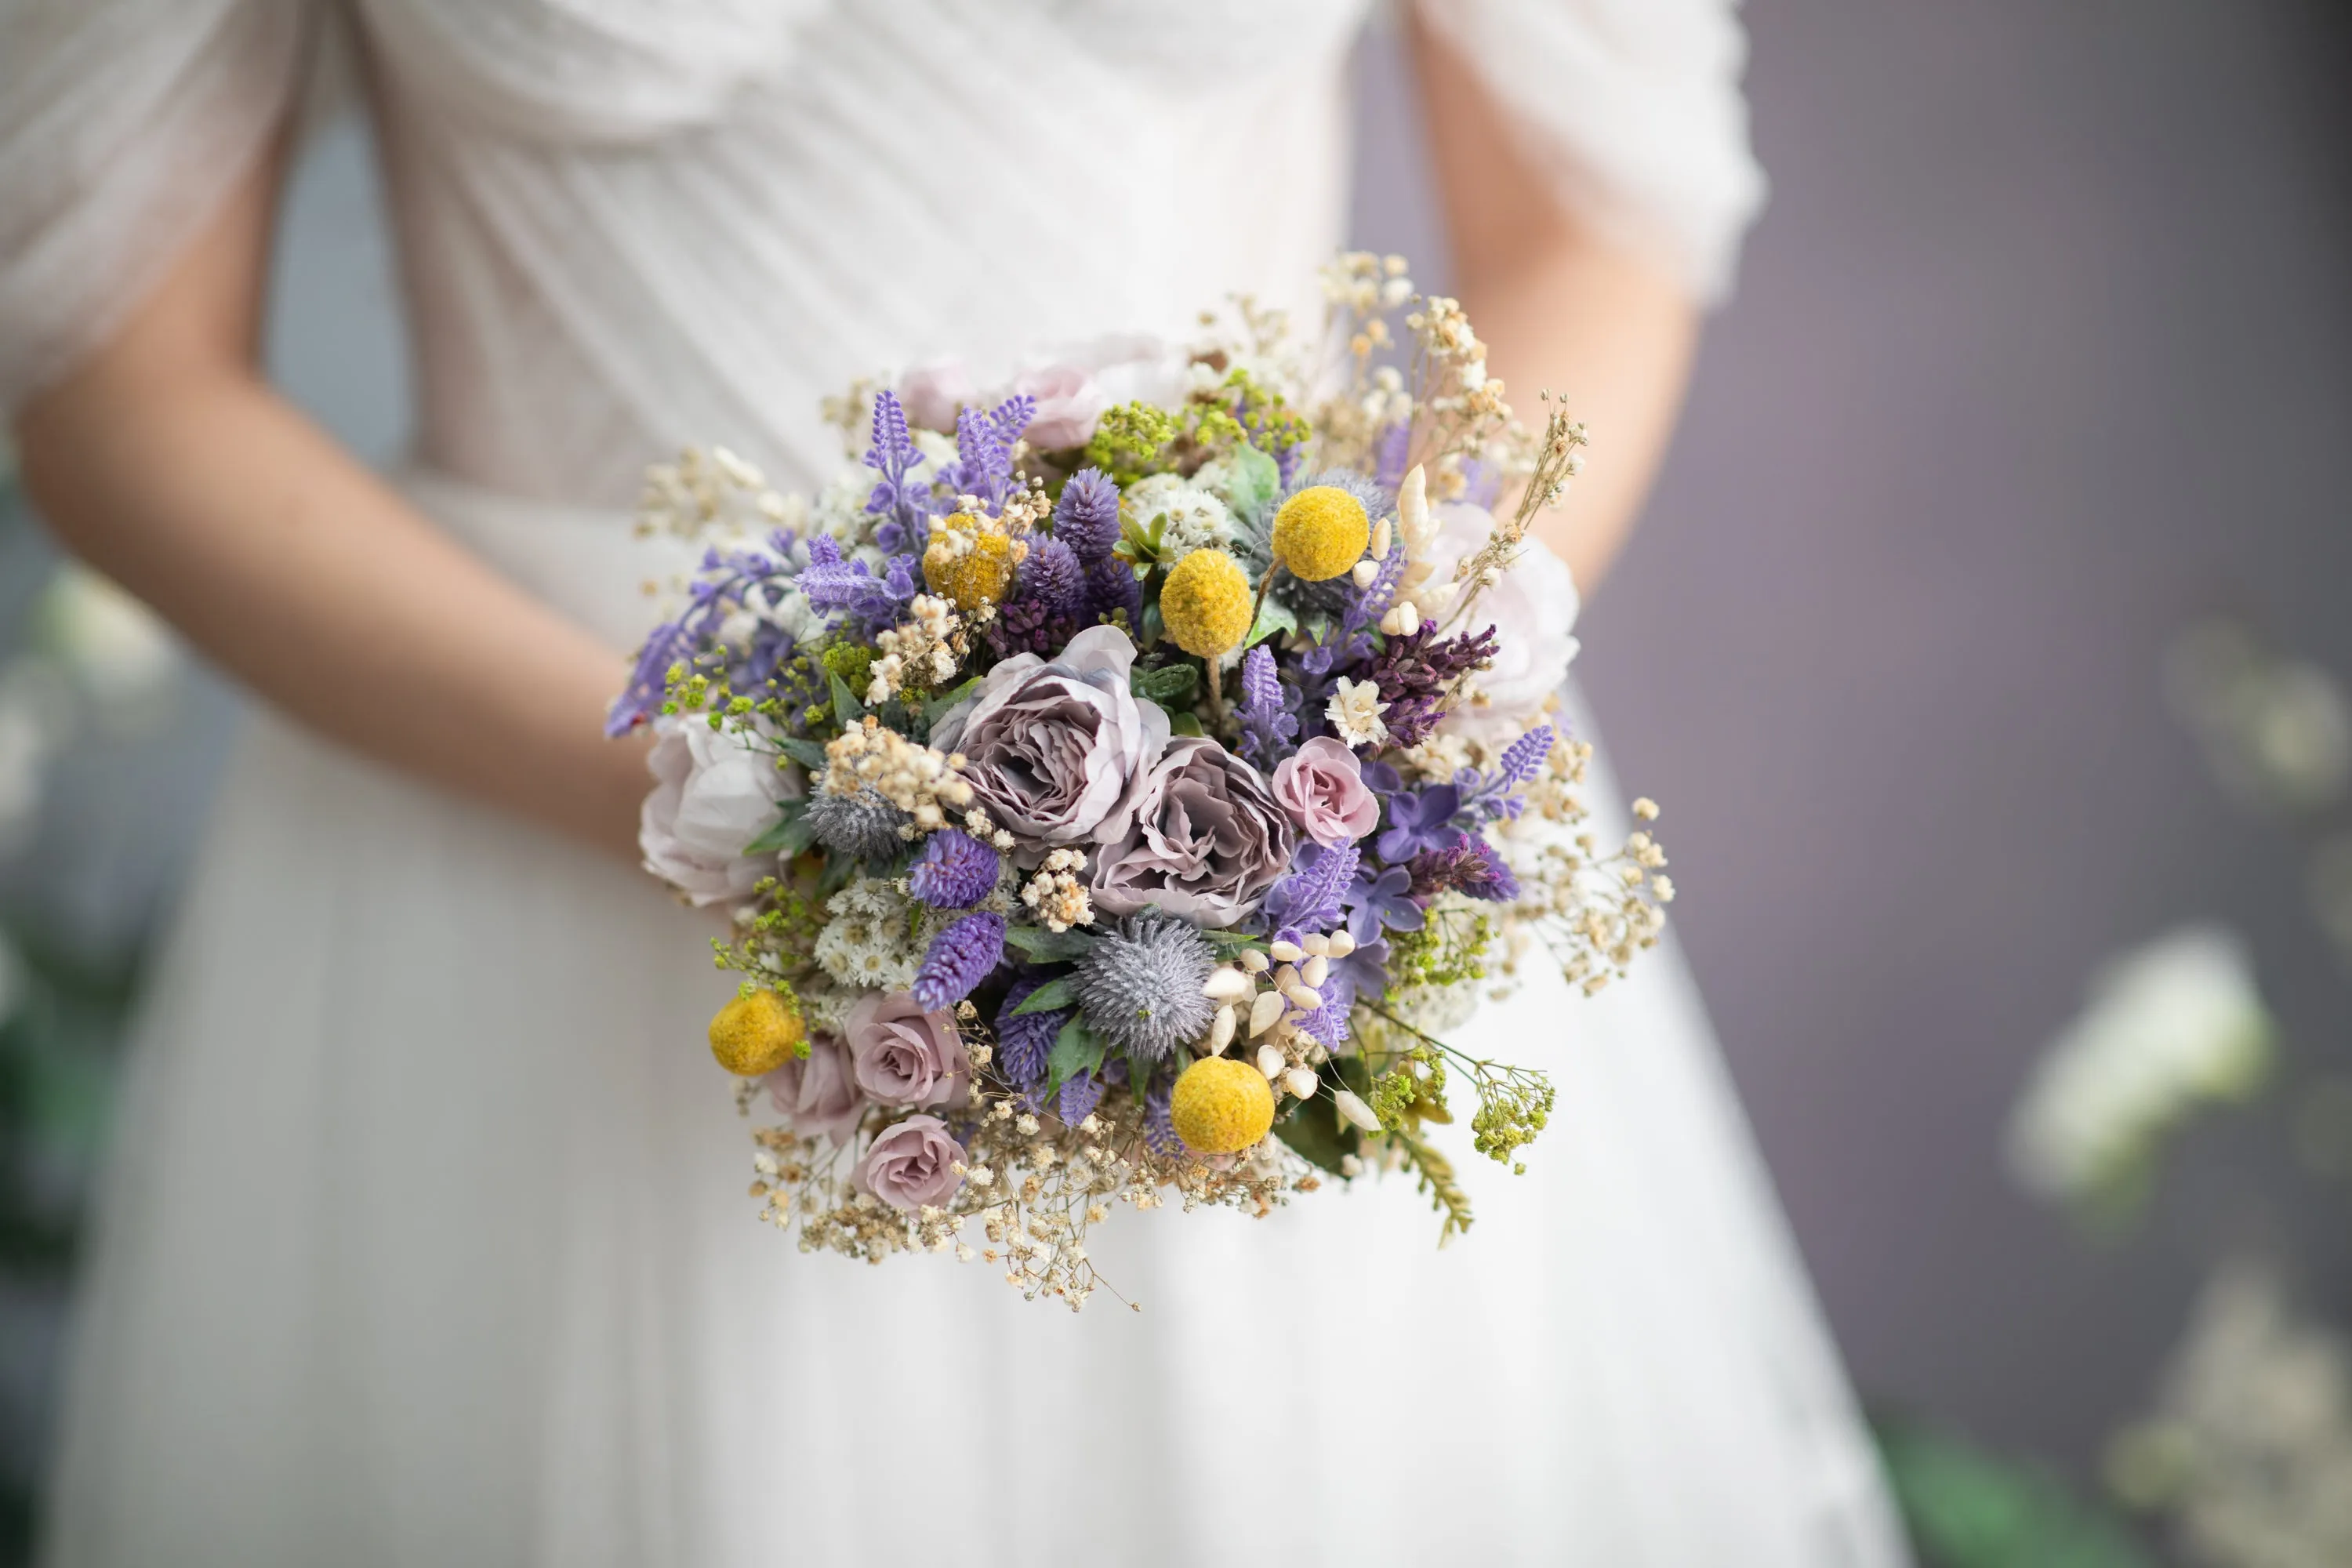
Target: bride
[(426, 1239)]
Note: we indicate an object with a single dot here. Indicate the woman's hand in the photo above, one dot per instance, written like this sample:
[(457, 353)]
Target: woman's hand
[(167, 462), (1560, 310)]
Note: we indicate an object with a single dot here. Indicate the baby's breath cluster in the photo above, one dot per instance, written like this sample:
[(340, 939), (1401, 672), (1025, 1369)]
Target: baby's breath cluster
[(916, 779)]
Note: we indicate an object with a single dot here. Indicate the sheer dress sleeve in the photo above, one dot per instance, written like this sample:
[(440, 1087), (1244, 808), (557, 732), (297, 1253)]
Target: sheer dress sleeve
[(1631, 110), (123, 124)]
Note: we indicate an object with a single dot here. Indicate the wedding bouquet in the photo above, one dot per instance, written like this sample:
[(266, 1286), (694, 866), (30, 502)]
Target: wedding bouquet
[(1118, 782)]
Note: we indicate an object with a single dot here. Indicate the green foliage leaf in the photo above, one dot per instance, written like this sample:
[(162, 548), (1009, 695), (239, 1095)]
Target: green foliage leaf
[(1434, 1174), (810, 755), (1273, 616), (1968, 1507), (936, 708), (790, 836), (1185, 724), (1233, 943), (1153, 628), (1256, 480), (1049, 997), (1077, 1050), (1314, 1129), (1043, 946), (846, 710)]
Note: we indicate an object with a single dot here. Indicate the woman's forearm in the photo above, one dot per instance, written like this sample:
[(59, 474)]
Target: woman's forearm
[(169, 465), (1558, 310)]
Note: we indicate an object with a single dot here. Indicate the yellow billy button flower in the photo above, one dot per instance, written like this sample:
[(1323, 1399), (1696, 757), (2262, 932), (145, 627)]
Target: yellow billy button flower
[(1222, 1106), (1206, 603), (756, 1034), (1321, 533)]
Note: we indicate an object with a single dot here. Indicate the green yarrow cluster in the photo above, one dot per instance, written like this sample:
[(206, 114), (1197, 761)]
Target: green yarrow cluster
[(1449, 949), (1413, 1088), (1514, 1104), (1128, 441)]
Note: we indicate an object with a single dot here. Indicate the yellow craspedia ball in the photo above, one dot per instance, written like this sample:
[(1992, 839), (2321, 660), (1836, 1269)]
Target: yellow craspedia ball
[(1321, 533), (756, 1034), (1222, 1106), (968, 562), (1205, 604)]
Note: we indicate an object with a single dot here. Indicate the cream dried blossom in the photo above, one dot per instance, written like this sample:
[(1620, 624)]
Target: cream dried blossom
[(924, 652), (1355, 711), (1055, 895), (916, 779)]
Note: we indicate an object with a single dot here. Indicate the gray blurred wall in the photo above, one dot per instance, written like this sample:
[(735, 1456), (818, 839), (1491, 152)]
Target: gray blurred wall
[(2043, 346)]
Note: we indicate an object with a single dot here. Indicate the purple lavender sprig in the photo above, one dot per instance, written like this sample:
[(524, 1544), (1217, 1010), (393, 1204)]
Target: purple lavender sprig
[(835, 587), (959, 958), (1267, 727), (1311, 899), (954, 871), (984, 442), (1469, 865), (1416, 670), (755, 577), (895, 457), (1502, 794)]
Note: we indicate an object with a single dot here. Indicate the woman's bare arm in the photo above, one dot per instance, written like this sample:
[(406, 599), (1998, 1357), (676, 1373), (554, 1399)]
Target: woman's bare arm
[(167, 462), (1558, 309)]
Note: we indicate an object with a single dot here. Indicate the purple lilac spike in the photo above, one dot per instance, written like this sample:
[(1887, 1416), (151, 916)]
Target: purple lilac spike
[(1470, 865), (954, 871), (1267, 728), (960, 957), (1023, 1043), (1110, 586), (1078, 1098), (836, 587), (1087, 517), (1502, 793), (1414, 672)]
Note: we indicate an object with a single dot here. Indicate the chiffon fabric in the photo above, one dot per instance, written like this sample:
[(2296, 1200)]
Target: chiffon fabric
[(426, 1240)]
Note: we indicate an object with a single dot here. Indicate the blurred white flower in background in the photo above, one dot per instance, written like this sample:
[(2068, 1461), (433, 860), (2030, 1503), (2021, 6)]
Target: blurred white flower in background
[(2277, 733), (95, 658), (2250, 1451), (2174, 1024)]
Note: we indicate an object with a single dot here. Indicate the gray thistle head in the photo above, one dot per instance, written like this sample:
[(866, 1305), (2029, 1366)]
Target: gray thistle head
[(863, 827), (1139, 985)]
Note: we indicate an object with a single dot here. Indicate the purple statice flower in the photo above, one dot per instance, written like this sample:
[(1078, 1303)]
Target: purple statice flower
[(1380, 900), (960, 957), (1419, 820), (984, 442), (1087, 517), (1267, 728), (836, 587), (1023, 1043), (906, 501), (1390, 448), (954, 871), (1160, 1115), (1111, 586), (1078, 1098), (1310, 898), (1469, 865), (1414, 673), (1502, 794)]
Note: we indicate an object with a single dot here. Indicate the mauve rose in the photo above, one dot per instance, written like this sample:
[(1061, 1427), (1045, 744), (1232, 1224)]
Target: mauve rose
[(904, 1055), (1073, 383), (1321, 786), (912, 1164), (712, 795), (1532, 608), (1202, 839), (818, 1092), (932, 391), (1051, 750)]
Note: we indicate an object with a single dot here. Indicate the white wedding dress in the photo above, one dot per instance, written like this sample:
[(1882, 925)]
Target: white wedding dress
[(426, 1239)]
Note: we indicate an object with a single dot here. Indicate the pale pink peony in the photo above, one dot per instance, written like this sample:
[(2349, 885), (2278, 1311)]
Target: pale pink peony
[(912, 1164), (932, 391), (1532, 610), (712, 795), (1322, 788), (1073, 383)]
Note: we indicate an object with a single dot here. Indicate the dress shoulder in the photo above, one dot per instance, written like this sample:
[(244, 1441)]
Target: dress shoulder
[(1632, 111), (123, 124)]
